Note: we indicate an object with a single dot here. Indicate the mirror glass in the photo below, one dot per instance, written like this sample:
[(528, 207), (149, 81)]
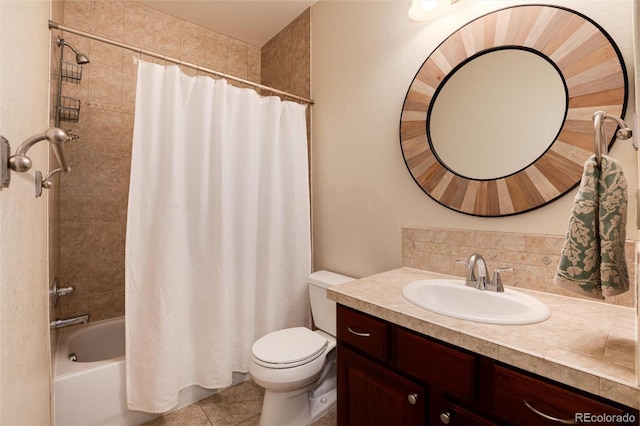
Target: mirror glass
[(498, 119), (502, 133)]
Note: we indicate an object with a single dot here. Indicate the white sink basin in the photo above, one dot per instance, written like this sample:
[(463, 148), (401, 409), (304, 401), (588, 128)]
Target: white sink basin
[(452, 298)]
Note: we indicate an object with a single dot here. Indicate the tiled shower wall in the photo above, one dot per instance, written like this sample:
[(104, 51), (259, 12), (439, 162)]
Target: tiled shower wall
[(286, 60), (534, 258), (93, 199), (57, 10)]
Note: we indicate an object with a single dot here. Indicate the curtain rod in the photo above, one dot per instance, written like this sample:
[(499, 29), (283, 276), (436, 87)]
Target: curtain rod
[(55, 25)]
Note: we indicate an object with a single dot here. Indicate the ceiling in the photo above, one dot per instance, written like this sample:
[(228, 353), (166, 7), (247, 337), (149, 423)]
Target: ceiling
[(252, 21)]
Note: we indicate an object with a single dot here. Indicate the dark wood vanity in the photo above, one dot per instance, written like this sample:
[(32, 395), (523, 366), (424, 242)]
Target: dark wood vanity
[(389, 375)]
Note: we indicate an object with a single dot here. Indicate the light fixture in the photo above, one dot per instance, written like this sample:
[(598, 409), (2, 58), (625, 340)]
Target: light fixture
[(423, 10)]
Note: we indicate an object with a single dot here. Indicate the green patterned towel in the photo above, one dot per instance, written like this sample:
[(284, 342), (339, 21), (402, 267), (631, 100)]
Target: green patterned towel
[(593, 261)]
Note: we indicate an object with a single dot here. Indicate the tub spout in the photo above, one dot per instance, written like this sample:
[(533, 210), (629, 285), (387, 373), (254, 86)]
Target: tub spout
[(61, 323)]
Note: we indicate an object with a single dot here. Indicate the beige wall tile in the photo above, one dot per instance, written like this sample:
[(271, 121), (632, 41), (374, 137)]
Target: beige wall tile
[(105, 87), (166, 34), (73, 258), (534, 257), (138, 25), (74, 305), (73, 206), (106, 204), (105, 56), (192, 42), (103, 127), (77, 14), (128, 95), (254, 64), (286, 58), (107, 18), (215, 51), (237, 58), (106, 305)]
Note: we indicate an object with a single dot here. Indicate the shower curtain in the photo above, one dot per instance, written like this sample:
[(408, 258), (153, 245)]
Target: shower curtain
[(218, 231)]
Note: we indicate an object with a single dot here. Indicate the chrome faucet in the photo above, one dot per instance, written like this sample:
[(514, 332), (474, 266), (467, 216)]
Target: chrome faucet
[(61, 323), (481, 281), (478, 281)]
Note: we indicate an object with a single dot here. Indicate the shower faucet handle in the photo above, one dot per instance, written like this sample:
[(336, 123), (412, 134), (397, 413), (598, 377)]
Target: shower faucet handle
[(55, 292), (63, 291)]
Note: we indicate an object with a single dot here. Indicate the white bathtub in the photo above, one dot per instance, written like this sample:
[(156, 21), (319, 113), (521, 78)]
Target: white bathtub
[(92, 390)]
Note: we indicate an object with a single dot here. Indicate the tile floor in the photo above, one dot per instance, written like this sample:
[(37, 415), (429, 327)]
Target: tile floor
[(239, 405)]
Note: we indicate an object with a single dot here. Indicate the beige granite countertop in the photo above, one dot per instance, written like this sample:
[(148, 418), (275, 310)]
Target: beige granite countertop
[(585, 344)]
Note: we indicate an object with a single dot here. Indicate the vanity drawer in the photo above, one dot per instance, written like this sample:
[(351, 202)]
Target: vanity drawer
[(363, 332), (517, 397), (451, 370)]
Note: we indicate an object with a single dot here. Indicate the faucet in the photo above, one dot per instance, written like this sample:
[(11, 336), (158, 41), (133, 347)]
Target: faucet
[(478, 281), (481, 280), (61, 323)]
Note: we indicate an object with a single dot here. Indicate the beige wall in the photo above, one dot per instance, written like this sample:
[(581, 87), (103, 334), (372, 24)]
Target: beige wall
[(24, 330), (364, 57)]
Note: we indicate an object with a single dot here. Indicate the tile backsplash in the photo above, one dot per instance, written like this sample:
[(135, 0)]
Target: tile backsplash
[(533, 257)]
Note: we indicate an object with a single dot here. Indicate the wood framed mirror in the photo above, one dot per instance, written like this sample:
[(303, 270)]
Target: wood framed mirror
[(498, 119)]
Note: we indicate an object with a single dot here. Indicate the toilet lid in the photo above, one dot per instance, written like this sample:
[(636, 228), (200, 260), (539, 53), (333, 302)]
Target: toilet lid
[(289, 347)]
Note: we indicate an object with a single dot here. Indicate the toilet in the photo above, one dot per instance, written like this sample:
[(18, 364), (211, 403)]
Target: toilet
[(296, 366)]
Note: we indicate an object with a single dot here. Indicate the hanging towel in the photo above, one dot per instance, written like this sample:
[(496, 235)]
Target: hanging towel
[(593, 261)]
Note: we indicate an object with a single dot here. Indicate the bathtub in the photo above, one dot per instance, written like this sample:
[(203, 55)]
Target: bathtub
[(91, 391)]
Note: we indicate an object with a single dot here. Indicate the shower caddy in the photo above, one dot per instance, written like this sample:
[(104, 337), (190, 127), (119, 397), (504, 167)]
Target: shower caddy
[(68, 108)]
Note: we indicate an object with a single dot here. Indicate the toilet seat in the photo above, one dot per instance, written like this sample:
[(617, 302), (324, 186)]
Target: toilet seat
[(288, 348)]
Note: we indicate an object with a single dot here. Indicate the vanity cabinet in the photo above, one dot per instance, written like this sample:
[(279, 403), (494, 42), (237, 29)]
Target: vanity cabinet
[(388, 375), (525, 400), (376, 395)]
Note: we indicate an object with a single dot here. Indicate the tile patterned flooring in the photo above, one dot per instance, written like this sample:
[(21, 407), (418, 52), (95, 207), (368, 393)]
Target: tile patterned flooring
[(239, 405)]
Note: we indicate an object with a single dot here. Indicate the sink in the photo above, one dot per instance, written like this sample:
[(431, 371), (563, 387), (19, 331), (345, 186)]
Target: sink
[(452, 298)]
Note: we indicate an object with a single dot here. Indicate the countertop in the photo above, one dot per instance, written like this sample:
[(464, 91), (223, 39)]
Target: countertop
[(585, 344)]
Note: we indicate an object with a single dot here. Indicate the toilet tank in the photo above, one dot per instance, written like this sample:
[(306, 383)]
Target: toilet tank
[(323, 310)]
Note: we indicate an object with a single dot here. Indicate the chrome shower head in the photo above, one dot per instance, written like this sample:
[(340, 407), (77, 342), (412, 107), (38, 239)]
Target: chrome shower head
[(81, 58)]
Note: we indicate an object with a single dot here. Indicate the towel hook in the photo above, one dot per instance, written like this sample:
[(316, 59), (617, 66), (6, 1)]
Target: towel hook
[(623, 132), (20, 162)]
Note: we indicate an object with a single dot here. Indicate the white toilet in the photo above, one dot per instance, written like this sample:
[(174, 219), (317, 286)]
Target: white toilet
[(296, 366)]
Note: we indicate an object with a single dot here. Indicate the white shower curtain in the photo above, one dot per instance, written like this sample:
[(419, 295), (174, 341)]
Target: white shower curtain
[(218, 233)]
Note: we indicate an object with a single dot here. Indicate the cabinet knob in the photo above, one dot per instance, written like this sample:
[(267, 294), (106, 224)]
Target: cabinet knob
[(445, 417), (412, 398)]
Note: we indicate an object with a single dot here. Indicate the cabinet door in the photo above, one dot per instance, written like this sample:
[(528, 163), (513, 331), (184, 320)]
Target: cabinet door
[(363, 332), (371, 395), (439, 365), (527, 401), (444, 412)]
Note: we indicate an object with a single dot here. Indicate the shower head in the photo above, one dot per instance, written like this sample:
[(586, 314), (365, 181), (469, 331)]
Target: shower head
[(81, 58)]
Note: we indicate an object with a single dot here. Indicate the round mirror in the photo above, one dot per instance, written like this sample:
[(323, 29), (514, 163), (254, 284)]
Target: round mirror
[(501, 134), (498, 120)]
